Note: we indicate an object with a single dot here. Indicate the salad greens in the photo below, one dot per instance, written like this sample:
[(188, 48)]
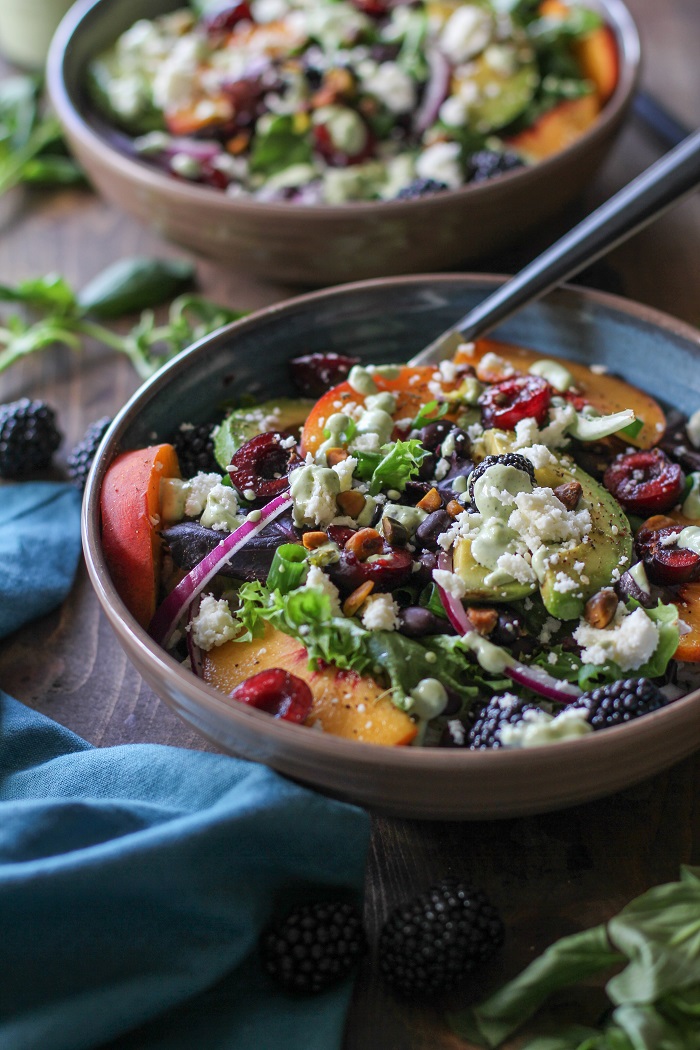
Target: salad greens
[(31, 143), (55, 314), (338, 101), (655, 997)]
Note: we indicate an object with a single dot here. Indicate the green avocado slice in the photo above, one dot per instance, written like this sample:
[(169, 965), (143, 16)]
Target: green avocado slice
[(285, 413), (574, 575)]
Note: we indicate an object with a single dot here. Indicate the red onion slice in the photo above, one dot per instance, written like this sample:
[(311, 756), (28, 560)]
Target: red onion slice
[(436, 91), (193, 650), (534, 678), (169, 612)]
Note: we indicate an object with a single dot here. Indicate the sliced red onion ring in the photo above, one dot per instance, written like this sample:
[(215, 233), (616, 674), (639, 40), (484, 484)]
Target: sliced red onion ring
[(534, 678), (436, 91), (169, 612), (193, 650)]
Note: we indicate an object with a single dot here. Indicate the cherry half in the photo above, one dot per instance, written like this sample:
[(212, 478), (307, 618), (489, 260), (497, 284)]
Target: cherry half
[(262, 465), (388, 570), (645, 482), (505, 403), (281, 694), (665, 562), (315, 374)]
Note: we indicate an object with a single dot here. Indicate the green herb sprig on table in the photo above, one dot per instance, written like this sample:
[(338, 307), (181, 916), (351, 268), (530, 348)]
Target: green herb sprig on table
[(54, 314), (32, 149), (654, 943)]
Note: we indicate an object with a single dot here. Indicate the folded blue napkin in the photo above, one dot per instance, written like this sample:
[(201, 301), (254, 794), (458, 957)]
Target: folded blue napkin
[(135, 882), (39, 549)]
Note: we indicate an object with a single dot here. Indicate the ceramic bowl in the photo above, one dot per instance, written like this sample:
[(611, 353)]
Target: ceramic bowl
[(323, 244), (389, 321)]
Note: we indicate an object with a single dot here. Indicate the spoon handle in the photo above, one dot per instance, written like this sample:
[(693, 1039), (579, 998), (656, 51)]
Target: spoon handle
[(663, 184)]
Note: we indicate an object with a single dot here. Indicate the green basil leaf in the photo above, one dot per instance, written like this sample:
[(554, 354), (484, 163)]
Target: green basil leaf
[(53, 170), (430, 413), (277, 146), (568, 960), (51, 293)]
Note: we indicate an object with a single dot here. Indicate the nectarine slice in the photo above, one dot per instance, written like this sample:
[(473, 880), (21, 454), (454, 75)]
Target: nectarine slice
[(130, 510), (345, 704), (607, 393)]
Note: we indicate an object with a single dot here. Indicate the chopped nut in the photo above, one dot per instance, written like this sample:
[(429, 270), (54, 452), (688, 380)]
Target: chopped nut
[(484, 618), (395, 533), (569, 494), (601, 608), (335, 455), (351, 502), (313, 540), (358, 597), (239, 143), (365, 543), (454, 508), (338, 84), (430, 502), (658, 521)]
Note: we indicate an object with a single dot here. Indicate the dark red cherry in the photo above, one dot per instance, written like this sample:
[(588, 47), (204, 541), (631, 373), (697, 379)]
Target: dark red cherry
[(645, 482), (314, 374), (387, 571), (226, 16), (504, 404), (262, 465), (325, 146), (281, 694), (665, 562)]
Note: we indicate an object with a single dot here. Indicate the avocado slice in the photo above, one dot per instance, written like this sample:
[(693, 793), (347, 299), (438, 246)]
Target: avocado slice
[(285, 413), (608, 546)]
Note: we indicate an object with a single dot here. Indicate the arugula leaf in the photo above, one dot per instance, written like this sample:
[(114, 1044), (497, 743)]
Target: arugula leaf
[(397, 463)]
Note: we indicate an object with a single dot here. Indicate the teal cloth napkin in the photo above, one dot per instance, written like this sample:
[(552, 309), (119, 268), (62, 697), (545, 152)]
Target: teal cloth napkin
[(135, 882), (39, 549)]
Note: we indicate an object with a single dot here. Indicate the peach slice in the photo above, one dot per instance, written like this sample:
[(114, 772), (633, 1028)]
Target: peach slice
[(345, 704), (557, 128), (605, 392)]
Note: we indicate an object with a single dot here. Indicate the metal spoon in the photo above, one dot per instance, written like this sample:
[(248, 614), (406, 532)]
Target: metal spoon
[(663, 184)]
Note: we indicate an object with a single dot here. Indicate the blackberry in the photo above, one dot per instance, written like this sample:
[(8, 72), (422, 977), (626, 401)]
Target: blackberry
[(486, 163), (428, 944), (508, 459), (195, 449), (316, 946), (420, 188), (618, 702), (80, 458), (28, 437), (500, 711)]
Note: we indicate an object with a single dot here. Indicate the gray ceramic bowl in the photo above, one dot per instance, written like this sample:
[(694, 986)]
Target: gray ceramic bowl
[(389, 321), (326, 244)]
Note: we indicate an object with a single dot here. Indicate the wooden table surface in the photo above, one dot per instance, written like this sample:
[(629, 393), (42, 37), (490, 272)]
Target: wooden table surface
[(548, 874)]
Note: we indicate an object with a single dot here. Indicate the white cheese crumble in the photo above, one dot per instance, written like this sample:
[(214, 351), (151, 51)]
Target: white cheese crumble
[(318, 581), (344, 469), (395, 88), (541, 518), (441, 162), (466, 33), (450, 582), (539, 456), (214, 624), (380, 613), (199, 488), (221, 509), (692, 429), (527, 433), (629, 641)]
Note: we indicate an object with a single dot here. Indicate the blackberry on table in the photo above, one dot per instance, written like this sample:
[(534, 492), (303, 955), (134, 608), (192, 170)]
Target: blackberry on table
[(428, 944), (28, 437), (618, 702), (500, 711), (195, 449), (81, 456), (316, 946), (508, 459), (486, 163), (420, 188)]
